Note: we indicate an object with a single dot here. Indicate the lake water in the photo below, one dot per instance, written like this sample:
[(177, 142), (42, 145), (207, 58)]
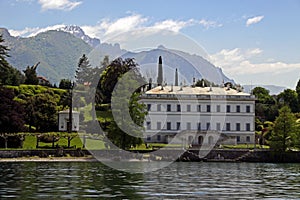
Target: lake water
[(75, 180)]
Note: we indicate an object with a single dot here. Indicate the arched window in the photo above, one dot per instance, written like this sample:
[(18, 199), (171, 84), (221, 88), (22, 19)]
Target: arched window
[(190, 139), (210, 140), (200, 140)]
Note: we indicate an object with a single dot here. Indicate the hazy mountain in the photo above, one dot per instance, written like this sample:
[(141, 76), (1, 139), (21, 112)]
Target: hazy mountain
[(58, 53), (274, 89), (79, 33), (189, 66)]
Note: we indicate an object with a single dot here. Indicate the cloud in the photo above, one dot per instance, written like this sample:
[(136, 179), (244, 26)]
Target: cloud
[(59, 4), (30, 32), (209, 24), (254, 20), (237, 62), (138, 24)]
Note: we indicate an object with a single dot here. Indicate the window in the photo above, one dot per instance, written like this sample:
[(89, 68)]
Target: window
[(207, 108), (178, 108), (148, 138), (218, 126), (148, 125), (188, 125), (168, 125), (148, 107), (188, 108), (178, 125), (210, 140), (247, 109), (158, 138), (238, 126), (168, 107), (199, 126), (218, 108), (158, 107), (198, 108), (247, 126), (238, 138), (158, 125), (227, 126), (207, 126), (248, 139), (238, 108), (228, 108)]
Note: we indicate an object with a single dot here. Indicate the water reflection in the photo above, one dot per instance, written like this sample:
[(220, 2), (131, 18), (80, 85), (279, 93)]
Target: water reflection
[(177, 181)]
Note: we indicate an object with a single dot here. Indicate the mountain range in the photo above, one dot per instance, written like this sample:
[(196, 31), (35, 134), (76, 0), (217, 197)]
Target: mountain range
[(58, 52)]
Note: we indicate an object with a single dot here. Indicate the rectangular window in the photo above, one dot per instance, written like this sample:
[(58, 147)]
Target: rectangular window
[(207, 126), (199, 126), (178, 108), (188, 125), (227, 126), (218, 108), (158, 125), (228, 108), (168, 125), (238, 138), (168, 107), (247, 126), (148, 107), (188, 108), (207, 108), (158, 137), (248, 139), (238, 109), (238, 126), (218, 126), (148, 125), (158, 107), (178, 125), (198, 108), (148, 138), (247, 109)]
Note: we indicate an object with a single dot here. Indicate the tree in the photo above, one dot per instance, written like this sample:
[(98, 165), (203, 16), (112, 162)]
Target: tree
[(84, 71), (65, 84), (41, 111), (30, 75), (11, 112), (284, 130), (110, 75), (126, 129), (289, 98), (8, 74)]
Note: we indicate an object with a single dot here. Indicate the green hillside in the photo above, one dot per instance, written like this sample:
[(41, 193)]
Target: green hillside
[(57, 51)]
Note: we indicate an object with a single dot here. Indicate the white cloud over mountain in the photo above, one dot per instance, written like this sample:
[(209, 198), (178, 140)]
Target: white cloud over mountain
[(240, 62)]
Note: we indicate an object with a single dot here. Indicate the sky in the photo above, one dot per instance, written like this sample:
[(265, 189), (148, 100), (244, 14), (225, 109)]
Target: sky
[(253, 41)]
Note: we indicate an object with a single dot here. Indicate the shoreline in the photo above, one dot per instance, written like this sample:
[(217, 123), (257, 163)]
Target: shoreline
[(49, 159)]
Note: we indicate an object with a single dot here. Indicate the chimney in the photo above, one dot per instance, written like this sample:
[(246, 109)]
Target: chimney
[(160, 72), (176, 77), (150, 84)]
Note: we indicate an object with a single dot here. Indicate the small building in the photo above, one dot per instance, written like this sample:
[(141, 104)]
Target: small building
[(43, 80), (63, 120)]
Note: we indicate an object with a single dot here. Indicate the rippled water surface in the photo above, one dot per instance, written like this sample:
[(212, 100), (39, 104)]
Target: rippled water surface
[(177, 181)]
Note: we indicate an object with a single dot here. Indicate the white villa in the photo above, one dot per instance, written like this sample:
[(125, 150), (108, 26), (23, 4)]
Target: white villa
[(63, 120), (199, 115)]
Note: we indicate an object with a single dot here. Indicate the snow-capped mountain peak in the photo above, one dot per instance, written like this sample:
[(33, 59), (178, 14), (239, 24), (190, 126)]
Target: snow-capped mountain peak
[(79, 33)]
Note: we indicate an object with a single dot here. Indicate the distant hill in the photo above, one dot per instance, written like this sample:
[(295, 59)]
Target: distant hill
[(189, 66), (274, 89), (58, 53)]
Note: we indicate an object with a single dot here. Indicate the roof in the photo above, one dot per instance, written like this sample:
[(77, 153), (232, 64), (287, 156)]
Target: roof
[(188, 90)]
